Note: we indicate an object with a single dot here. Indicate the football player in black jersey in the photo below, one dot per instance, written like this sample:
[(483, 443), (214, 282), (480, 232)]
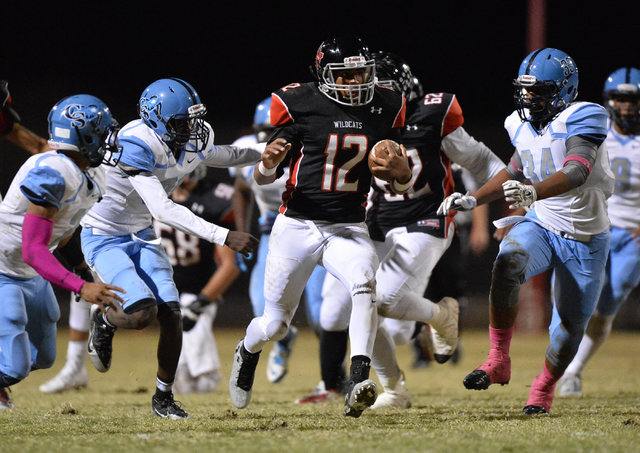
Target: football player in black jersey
[(202, 272), (325, 131), (409, 236)]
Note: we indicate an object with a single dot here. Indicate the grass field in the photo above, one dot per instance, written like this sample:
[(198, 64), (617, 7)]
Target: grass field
[(113, 413)]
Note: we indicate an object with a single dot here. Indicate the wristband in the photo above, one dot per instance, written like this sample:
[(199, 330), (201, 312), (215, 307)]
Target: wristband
[(264, 171), (401, 188)]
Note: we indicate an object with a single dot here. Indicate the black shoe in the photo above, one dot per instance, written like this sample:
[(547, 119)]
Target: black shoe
[(477, 380), (534, 410), (165, 406), (100, 340)]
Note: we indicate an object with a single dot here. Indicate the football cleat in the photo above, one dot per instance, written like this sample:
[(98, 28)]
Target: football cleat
[(319, 395), (69, 378), (397, 397), (100, 340), (444, 331), (495, 370), (166, 407), (5, 399), (361, 396), (534, 410), (570, 385), (243, 372), (277, 366)]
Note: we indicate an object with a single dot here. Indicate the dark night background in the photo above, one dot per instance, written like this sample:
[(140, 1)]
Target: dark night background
[(236, 53)]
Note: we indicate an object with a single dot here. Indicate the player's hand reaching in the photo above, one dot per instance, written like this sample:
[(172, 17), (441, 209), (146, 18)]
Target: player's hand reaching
[(457, 202), (275, 152), (101, 294), (241, 242)]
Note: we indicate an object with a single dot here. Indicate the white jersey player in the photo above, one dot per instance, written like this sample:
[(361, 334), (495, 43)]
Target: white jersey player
[(45, 202), (622, 100), (118, 240), (561, 170)]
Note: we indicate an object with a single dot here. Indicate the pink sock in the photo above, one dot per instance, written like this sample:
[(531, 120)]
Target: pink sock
[(542, 389), (500, 339)]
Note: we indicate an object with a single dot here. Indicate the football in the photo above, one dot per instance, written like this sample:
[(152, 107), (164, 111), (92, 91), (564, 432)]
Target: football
[(382, 148)]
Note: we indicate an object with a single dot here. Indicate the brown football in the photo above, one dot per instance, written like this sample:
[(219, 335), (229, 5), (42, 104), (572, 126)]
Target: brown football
[(383, 148)]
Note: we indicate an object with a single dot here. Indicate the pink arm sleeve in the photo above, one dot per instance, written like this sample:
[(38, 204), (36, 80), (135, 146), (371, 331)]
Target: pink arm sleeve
[(36, 234)]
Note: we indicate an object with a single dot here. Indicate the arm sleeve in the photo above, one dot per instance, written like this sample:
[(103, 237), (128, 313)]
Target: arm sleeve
[(233, 156), (36, 234), (471, 154), (581, 155), (515, 167), (162, 208)]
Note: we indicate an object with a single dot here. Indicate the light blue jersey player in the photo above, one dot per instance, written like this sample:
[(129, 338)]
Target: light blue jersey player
[(560, 171), (159, 150), (622, 100), (268, 198), (45, 202)]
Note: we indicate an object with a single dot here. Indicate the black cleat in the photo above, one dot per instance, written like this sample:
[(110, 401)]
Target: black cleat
[(166, 407), (477, 380), (534, 410), (359, 397), (100, 340)]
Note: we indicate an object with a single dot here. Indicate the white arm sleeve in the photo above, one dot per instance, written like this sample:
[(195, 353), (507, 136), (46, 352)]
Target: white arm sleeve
[(233, 156), (162, 208), (471, 154)]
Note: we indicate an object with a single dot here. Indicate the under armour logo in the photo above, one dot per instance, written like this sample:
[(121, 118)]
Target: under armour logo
[(377, 110), (411, 127)]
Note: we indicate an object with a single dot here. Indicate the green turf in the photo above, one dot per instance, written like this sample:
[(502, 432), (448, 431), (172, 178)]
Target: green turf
[(113, 413)]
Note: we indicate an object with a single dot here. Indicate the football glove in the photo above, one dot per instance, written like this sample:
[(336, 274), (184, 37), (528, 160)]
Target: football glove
[(192, 311), (457, 202), (518, 195)]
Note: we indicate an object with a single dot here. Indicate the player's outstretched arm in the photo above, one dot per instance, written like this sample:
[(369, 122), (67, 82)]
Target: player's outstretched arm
[(27, 140)]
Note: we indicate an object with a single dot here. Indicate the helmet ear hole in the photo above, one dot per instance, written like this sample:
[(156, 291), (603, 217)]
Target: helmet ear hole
[(153, 123)]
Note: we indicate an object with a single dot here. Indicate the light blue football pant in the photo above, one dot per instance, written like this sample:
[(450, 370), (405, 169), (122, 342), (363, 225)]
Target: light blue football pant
[(528, 250), (312, 290), (28, 315), (136, 263)]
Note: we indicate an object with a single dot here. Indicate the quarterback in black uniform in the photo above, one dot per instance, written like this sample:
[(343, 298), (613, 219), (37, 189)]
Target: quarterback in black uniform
[(202, 272), (325, 132), (408, 234)]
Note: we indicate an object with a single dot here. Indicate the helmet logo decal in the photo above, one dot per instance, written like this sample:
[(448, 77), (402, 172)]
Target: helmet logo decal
[(567, 66), (76, 115), (319, 56)]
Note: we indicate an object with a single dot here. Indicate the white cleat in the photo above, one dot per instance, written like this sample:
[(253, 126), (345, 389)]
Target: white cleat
[(444, 329), (243, 372), (69, 378), (569, 385), (397, 397)]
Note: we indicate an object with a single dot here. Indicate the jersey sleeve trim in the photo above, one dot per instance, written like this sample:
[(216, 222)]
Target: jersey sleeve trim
[(136, 153), (400, 117), (44, 185), (453, 118), (280, 114)]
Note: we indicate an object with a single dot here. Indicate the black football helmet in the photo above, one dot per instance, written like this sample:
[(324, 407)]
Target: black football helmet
[(394, 72), (337, 56)]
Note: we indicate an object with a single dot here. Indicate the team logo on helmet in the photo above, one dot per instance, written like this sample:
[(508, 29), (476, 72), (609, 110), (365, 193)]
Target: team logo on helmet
[(319, 56), (75, 115)]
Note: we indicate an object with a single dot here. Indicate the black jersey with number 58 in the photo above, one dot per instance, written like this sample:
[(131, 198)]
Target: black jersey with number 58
[(429, 119), (329, 176)]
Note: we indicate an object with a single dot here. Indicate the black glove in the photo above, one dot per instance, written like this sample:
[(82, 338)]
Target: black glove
[(5, 103), (191, 312)]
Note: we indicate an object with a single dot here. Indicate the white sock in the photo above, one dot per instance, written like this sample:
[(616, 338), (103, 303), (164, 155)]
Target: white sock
[(363, 325), (414, 307), (76, 353)]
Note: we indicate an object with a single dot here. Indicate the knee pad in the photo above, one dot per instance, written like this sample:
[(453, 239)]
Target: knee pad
[(276, 330), (142, 313), (599, 326), (507, 276)]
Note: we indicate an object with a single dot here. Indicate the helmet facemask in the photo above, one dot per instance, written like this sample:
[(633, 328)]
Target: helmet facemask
[(537, 101), (624, 109), (189, 127), (349, 94)]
